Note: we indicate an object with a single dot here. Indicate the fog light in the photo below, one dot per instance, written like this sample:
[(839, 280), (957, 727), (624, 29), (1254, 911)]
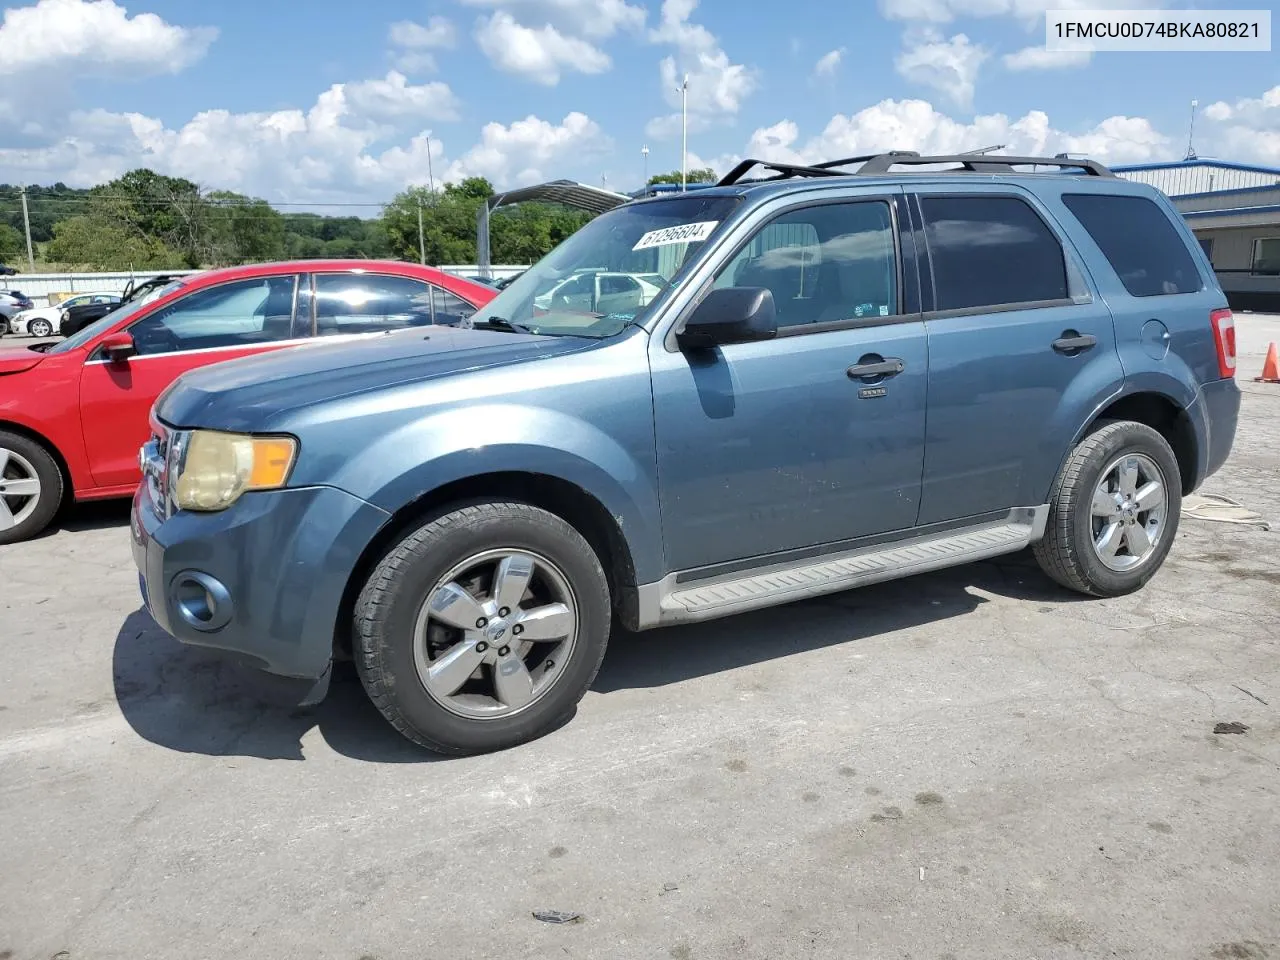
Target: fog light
[(202, 601)]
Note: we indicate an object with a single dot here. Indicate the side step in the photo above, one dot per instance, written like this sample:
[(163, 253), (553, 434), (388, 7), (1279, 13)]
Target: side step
[(768, 586)]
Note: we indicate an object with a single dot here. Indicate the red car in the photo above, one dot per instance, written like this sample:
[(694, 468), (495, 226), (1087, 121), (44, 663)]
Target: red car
[(73, 414)]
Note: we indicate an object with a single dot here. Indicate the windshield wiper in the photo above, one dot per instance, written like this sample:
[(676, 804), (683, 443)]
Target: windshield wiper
[(500, 323)]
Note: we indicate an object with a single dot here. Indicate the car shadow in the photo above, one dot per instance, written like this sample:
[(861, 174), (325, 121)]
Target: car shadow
[(195, 701), (675, 654), (94, 515)]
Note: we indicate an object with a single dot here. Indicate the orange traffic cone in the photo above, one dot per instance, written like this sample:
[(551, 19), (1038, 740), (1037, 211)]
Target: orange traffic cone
[(1270, 367)]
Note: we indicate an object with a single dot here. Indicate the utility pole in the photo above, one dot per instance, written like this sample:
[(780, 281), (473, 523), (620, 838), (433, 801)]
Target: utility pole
[(26, 222), (644, 152), (684, 134), (422, 243)]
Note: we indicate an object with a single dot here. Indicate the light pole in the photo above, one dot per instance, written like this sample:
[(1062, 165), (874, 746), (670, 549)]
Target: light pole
[(684, 134), (644, 152), (1191, 132)]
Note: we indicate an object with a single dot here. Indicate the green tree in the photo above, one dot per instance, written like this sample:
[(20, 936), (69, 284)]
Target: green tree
[(700, 175), (87, 242), (239, 229), (156, 208), (12, 246)]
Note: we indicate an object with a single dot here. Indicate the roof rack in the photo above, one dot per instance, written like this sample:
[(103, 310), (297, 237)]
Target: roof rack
[(880, 163)]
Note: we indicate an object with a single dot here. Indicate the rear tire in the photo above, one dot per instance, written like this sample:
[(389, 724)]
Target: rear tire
[(446, 608), (1113, 511), (31, 487)]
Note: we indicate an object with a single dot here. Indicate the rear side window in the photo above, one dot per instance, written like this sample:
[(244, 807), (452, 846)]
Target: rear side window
[(1141, 244), (991, 251)]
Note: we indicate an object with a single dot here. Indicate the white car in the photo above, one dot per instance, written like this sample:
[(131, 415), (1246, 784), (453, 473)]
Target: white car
[(44, 321), (602, 292)]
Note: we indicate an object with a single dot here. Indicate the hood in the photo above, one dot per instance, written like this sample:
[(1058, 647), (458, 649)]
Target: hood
[(17, 359), (241, 395)]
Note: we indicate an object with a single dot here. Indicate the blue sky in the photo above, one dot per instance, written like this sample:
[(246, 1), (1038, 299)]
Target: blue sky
[(332, 101)]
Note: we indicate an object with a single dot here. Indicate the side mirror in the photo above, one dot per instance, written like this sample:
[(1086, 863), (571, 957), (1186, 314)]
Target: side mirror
[(119, 347), (730, 315)]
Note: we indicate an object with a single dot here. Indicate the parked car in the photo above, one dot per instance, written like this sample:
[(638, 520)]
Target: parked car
[(77, 317), (849, 378), (602, 291), (7, 271), (45, 321), (73, 414), (12, 303)]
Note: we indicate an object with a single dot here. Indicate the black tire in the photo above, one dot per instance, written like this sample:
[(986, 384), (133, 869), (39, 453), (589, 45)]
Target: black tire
[(387, 608), (51, 487), (1066, 552)]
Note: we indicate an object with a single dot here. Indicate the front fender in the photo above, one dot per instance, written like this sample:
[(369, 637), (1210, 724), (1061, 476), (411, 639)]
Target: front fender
[(453, 444)]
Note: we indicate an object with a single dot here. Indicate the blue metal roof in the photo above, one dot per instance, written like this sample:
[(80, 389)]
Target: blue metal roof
[(1201, 162)]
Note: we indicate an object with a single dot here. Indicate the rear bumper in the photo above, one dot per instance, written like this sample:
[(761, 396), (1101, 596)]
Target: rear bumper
[(1215, 413), (262, 580)]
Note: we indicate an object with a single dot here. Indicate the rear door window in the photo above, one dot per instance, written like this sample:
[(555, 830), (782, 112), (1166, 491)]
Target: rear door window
[(990, 251), (1139, 241), (369, 303)]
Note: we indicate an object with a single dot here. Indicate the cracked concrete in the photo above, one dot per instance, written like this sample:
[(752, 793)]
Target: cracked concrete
[(969, 764)]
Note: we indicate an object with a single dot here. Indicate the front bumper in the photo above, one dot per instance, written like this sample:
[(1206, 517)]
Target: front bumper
[(262, 580)]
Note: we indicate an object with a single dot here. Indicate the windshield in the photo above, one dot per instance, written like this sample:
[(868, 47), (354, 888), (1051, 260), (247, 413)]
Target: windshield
[(609, 273), (77, 340)]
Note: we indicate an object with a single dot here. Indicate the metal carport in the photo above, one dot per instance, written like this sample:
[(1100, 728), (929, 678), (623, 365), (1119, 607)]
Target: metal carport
[(570, 193)]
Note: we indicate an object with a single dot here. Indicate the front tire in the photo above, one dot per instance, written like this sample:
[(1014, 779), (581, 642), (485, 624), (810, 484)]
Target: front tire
[(1113, 512), (483, 628), (40, 328), (30, 487)]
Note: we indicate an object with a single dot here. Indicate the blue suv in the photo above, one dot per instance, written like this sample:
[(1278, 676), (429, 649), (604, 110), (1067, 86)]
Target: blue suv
[(698, 405)]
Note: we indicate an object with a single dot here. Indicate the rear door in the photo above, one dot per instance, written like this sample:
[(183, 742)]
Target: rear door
[(1020, 347), (214, 323)]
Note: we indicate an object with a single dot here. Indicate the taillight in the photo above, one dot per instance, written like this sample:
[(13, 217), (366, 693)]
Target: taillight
[(1224, 338)]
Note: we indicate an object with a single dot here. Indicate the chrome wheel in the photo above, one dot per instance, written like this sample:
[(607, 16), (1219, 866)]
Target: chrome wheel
[(39, 328), (1130, 505), (19, 489), (495, 633)]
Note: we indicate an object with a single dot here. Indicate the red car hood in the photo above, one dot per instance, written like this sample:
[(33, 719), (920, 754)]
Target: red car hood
[(17, 359)]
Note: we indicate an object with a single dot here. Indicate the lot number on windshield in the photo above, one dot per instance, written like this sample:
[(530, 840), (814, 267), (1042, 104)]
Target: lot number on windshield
[(685, 233)]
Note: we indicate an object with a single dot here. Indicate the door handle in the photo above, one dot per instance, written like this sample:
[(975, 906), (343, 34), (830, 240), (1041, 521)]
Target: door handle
[(1072, 343), (880, 368)]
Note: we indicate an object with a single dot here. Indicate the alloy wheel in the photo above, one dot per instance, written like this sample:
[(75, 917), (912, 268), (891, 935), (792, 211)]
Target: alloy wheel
[(494, 634), (1130, 505), (19, 489)]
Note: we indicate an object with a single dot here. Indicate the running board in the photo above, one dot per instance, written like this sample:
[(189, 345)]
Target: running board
[(670, 602)]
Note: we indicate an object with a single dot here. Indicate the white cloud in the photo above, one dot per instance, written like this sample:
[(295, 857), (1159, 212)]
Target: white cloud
[(1029, 11), (530, 150), (597, 19), (539, 54), (948, 66), (96, 37), (828, 63), (394, 98), (717, 85), (1248, 129), (413, 42), (1038, 58), (325, 152), (917, 125)]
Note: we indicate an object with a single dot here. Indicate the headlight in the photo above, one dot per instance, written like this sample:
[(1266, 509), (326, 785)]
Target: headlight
[(214, 468)]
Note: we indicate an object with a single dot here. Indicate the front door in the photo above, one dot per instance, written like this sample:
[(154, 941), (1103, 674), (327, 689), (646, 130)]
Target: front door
[(783, 444), (208, 325), (1019, 346)]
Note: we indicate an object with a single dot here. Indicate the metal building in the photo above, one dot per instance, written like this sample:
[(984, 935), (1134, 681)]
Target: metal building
[(1234, 210)]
